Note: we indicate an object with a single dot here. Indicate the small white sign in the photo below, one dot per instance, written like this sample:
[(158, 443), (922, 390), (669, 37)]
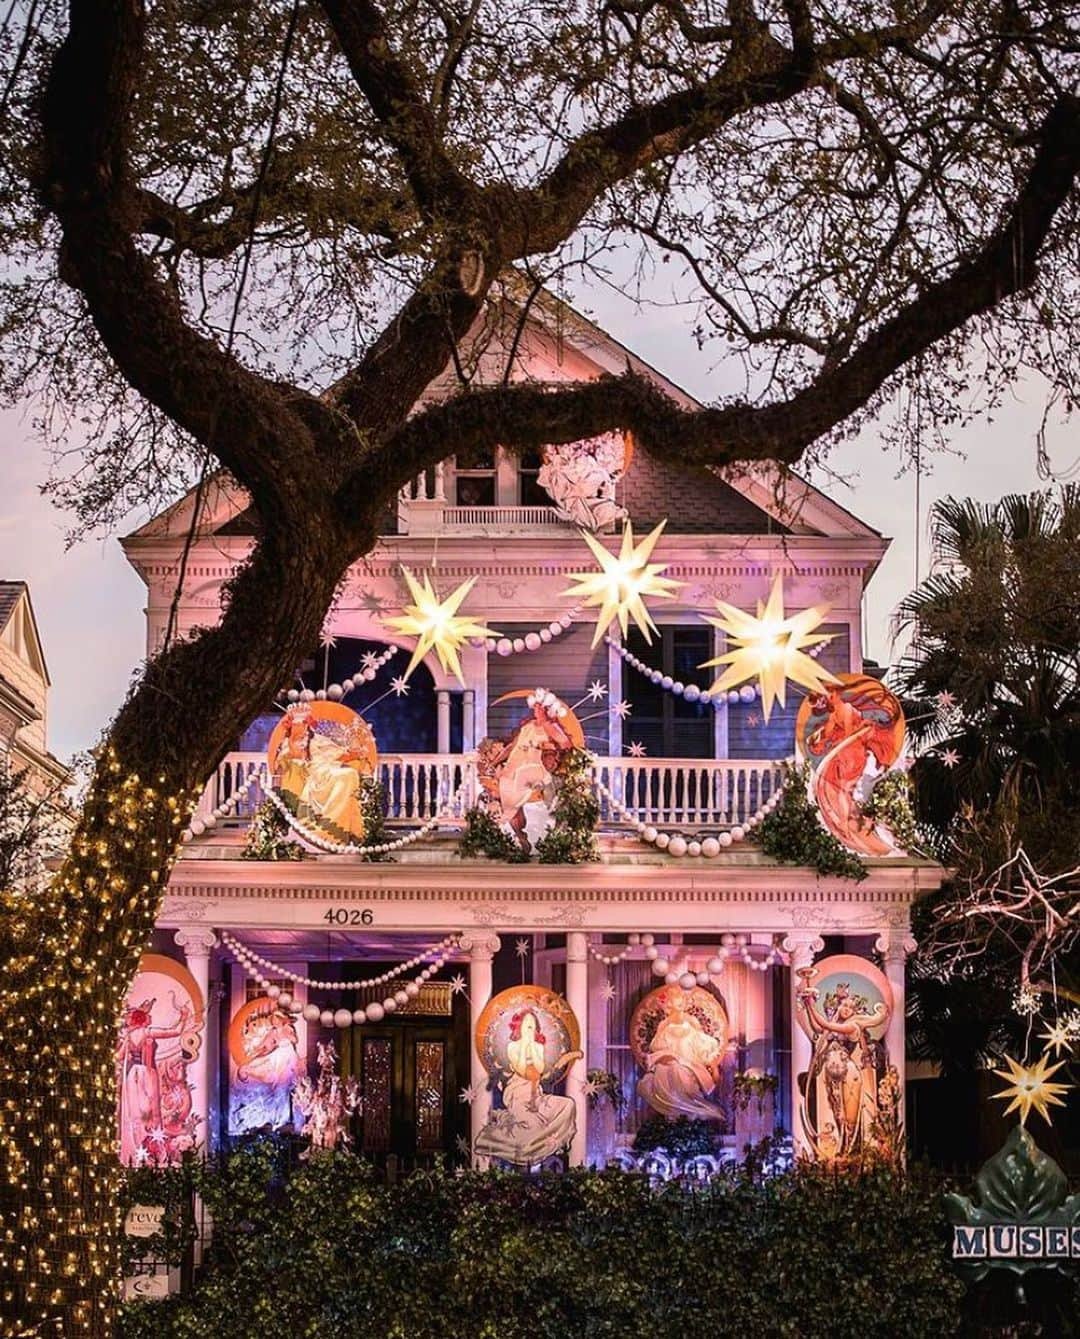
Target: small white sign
[(146, 1287), (144, 1220)]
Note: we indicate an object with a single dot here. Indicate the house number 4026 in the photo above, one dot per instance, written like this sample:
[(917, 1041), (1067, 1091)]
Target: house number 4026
[(349, 916)]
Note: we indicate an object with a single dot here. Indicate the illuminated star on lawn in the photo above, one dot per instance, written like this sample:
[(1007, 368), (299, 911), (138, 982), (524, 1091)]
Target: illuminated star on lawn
[(597, 690), (436, 624), (1030, 1087), (625, 580), (1058, 1036), (769, 647)]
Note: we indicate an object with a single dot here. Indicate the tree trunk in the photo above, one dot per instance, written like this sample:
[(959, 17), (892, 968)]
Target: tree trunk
[(74, 954)]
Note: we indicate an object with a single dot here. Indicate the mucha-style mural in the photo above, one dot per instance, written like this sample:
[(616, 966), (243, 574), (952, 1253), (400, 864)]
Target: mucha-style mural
[(678, 1038), (519, 776), (527, 1038), (580, 478), (320, 754), (851, 734), (161, 1033), (849, 1103), (264, 1058)]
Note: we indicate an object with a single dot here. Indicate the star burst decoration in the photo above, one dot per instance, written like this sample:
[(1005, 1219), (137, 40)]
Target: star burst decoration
[(608, 991), (1058, 1036), (1030, 1087), (400, 686), (436, 624), (623, 583), (769, 648), (597, 690), (636, 749)]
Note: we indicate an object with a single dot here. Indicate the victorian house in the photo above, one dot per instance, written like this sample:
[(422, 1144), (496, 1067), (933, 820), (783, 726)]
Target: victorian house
[(493, 1004)]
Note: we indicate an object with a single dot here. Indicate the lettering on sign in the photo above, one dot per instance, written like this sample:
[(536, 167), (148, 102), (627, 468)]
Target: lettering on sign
[(349, 916), (144, 1220), (146, 1287), (1015, 1241)]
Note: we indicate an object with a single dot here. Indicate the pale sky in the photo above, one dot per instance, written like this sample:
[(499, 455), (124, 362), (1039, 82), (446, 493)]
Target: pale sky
[(89, 602)]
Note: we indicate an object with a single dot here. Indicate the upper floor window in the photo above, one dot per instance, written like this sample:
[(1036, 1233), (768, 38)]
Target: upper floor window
[(475, 481), (532, 495), (669, 726)]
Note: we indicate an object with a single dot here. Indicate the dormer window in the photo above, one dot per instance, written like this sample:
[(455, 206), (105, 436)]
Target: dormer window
[(476, 481)]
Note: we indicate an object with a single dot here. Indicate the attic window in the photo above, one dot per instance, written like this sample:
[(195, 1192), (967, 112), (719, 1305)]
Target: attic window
[(475, 482), (532, 495)]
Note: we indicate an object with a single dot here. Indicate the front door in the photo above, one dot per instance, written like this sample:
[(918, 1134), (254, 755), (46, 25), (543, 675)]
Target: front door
[(407, 1070)]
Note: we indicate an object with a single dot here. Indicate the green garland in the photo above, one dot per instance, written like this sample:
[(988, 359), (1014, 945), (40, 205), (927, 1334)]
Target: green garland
[(372, 809), (890, 804), (606, 1088), (170, 1188), (793, 832), (270, 837), (571, 840), (755, 1088)]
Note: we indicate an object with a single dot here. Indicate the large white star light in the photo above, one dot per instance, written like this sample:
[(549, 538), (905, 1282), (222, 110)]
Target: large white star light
[(625, 580), (769, 648), (436, 624)]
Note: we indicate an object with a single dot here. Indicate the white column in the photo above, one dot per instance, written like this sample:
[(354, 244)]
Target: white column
[(468, 720), (442, 707), (802, 946), (198, 941), (894, 945), (577, 996), (481, 949)]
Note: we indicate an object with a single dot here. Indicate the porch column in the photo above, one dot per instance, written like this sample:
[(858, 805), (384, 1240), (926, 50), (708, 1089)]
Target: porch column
[(577, 996), (198, 941), (894, 945), (481, 949), (442, 705), (468, 720), (802, 946)]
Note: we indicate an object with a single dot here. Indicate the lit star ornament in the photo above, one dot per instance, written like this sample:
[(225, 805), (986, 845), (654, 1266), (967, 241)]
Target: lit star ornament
[(1057, 1035), (769, 648), (436, 624), (1030, 1087), (623, 583)]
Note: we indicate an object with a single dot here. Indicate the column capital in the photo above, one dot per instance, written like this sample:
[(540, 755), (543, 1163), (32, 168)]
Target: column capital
[(895, 945), (577, 946), (803, 946), (480, 945), (197, 941)]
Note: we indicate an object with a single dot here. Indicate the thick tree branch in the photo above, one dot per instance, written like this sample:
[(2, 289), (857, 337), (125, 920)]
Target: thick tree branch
[(527, 415)]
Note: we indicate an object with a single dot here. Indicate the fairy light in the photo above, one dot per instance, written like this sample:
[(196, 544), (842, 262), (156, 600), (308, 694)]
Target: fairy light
[(72, 952)]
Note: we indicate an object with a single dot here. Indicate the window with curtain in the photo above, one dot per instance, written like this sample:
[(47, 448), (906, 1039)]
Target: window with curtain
[(669, 726), (475, 481)]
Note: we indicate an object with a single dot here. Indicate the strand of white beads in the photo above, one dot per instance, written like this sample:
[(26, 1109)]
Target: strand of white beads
[(203, 823), (674, 843), (260, 967), (532, 641), (334, 692), (749, 692), (350, 848)]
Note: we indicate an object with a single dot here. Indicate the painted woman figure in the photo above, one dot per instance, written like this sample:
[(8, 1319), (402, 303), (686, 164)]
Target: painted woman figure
[(523, 769), (533, 1124), (859, 731), (291, 760), (843, 1077), (332, 788), (144, 1126), (683, 1067)]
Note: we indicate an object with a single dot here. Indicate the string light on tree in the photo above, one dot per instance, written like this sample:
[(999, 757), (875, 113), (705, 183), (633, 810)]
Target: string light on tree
[(770, 646), (436, 624), (625, 580)]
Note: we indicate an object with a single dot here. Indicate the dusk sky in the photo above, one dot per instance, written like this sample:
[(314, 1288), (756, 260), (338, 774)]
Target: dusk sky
[(89, 603)]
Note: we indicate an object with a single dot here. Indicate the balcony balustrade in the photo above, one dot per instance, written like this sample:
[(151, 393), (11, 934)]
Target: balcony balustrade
[(686, 793)]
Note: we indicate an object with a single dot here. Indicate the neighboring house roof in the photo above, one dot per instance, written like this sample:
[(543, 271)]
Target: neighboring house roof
[(766, 499), (12, 595)]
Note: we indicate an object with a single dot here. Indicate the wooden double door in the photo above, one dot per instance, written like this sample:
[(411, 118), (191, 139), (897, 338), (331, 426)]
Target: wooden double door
[(408, 1070)]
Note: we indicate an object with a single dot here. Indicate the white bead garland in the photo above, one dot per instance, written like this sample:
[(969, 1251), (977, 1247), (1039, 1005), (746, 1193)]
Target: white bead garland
[(200, 824), (532, 641), (374, 1012), (350, 848), (334, 692), (690, 691)]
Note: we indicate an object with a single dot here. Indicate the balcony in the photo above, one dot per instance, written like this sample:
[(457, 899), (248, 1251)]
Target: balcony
[(424, 509), (682, 793)]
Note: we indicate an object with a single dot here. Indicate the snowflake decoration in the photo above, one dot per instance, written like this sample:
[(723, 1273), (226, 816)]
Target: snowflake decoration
[(753, 719), (457, 985), (463, 1146), (521, 948), (1026, 1002), (945, 701), (597, 690), (327, 640), (950, 758), (471, 1093), (621, 709), (636, 749), (589, 1088), (399, 686), (608, 991)]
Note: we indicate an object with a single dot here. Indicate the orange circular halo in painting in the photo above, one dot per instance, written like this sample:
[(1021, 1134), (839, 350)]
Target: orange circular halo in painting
[(698, 1009), (558, 1024), (569, 722), (331, 719), (857, 704)]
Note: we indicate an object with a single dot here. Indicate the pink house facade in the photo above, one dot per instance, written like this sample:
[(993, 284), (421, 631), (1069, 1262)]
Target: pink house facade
[(741, 933)]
